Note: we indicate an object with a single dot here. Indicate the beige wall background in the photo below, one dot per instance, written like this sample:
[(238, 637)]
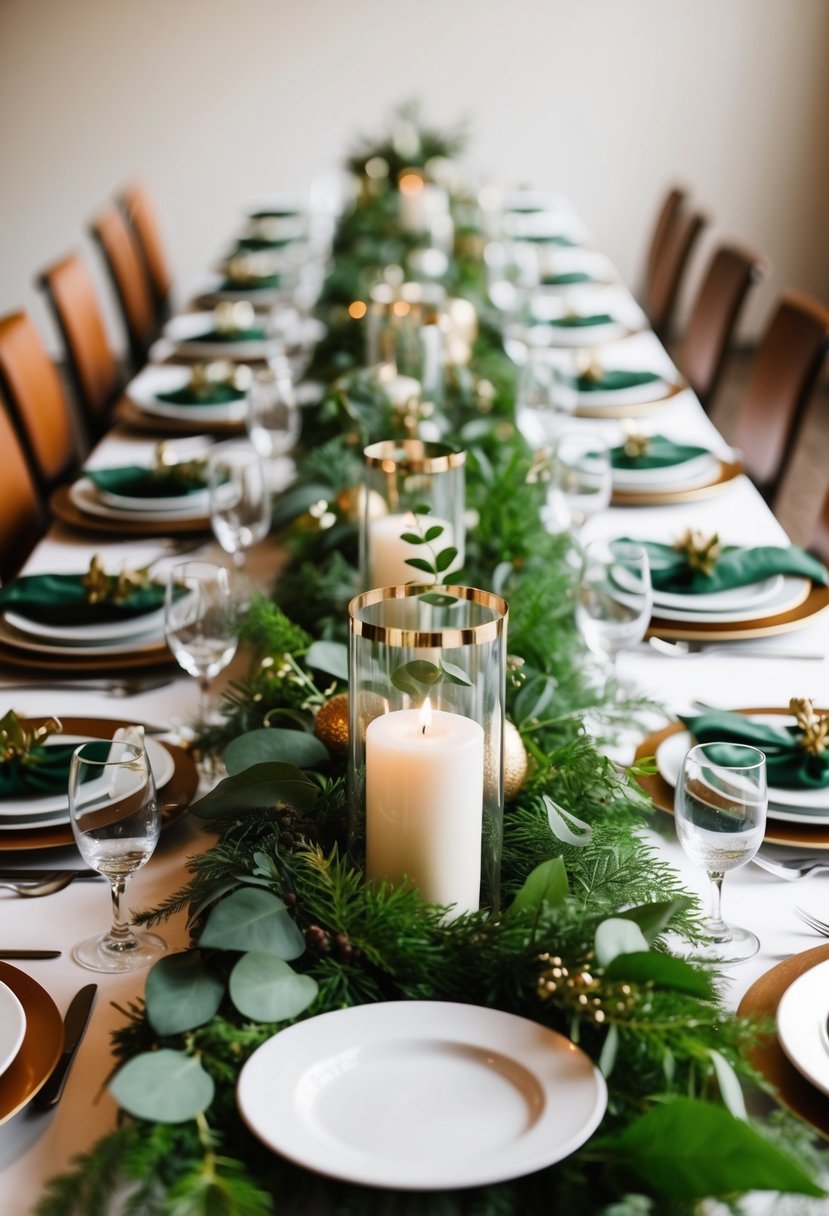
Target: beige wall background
[(214, 104)]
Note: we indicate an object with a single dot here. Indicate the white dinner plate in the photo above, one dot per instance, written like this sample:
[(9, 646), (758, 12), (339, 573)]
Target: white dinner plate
[(154, 378), (20, 641), (731, 600), (813, 804), (91, 501), (421, 1095), (53, 809), (543, 335), (801, 1025), (12, 1026), (790, 595), (636, 394), (189, 325), (210, 290), (180, 505), (83, 635), (697, 470)]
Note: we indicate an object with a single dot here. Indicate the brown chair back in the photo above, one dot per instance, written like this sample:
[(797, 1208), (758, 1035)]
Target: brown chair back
[(784, 373), (141, 215), (675, 252), (722, 293), (22, 518), (671, 204), (37, 402), (71, 295), (819, 544), (129, 279)]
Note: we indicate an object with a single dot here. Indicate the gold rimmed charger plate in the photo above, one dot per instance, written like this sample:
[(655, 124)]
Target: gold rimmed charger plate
[(637, 409), (41, 1047), (728, 470), (768, 1057), (815, 602), (777, 832), (156, 654), (129, 414), (175, 796), (64, 509)]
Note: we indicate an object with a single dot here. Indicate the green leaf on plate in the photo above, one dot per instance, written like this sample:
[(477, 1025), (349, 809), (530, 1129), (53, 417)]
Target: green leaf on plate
[(692, 1150), (253, 919), (330, 657), (275, 743), (546, 884), (263, 785), (267, 990), (617, 936), (662, 970), (163, 1086), (181, 993)]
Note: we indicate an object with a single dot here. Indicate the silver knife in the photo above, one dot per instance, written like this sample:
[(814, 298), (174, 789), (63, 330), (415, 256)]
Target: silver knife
[(11, 874), (29, 953), (74, 1024)]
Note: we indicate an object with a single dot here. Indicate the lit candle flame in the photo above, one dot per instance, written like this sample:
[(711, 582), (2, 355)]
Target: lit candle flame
[(425, 716)]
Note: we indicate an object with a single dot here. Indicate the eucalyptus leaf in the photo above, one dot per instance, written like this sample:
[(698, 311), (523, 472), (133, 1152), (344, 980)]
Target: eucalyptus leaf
[(253, 919), (413, 538), (222, 888), (662, 970), (423, 671), (296, 501), (610, 1047), (263, 785), (437, 600), (330, 657), (403, 682), (420, 563), (181, 993), (422, 508), (163, 1086), (617, 936), (275, 743), (455, 674), (729, 1083), (434, 532), (546, 884), (266, 989), (691, 1150), (652, 918), (445, 558)]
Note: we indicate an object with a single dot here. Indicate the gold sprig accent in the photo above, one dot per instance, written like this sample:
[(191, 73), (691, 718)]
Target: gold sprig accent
[(542, 467), (188, 472), (17, 743), (582, 988), (700, 552), (588, 363), (102, 588), (636, 443), (814, 727)]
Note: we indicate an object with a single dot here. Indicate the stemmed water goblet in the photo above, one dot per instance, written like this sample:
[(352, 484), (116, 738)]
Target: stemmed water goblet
[(545, 397), (273, 418), (581, 480), (200, 622), (615, 598), (116, 822), (720, 806), (240, 501)]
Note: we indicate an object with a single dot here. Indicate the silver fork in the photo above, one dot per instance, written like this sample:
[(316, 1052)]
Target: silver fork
[(32, 890), (791, 869), (814, 922), (130, 686)]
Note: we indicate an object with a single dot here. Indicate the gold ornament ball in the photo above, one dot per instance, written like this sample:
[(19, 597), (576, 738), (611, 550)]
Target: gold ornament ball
[(516, 762), (331, 725)]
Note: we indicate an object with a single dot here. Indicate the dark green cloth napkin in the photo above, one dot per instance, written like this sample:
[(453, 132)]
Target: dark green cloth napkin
[(61, 599), (564, 280), (735, 567), (247, 244), (135, 481), (46, 771), (254, 334), (661, 453), (259, 283), (568, 322), (563, 242), (220, 393), (615, 378), (275, 213), (787, 764)]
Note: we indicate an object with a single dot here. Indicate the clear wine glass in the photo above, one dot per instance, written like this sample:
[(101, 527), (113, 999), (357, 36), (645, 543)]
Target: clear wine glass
[(581, 483), (116, 822), (545, 398), (240, 501), (720, 807), (200, 622), (615, 598), (273, 418)]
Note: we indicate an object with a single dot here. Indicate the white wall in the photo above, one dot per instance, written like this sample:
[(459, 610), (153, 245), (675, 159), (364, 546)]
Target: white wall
[(214, 103)]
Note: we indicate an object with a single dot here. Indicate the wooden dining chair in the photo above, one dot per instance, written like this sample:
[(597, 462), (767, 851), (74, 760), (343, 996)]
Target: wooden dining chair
[(732, 271), (662, 288), (785, 370), (819, 544), (31, 386), (129, 279), (97, 381), (137, 206), (673, 201), (22, 515)]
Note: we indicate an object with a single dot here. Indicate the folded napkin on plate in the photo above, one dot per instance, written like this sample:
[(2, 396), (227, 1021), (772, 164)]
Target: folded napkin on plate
[(734, 567), (136, 481), (213, 393), (577, 322), (788, 764), (255, 283), (615, 378), (659, 453), (564, 242), (564, 280), (255, 333), (62, 599), (275, 213), (46, 771)]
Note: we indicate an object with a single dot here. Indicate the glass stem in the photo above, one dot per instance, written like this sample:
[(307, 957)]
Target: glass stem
[(716, 924), (204, 698), (120, 934), (239, 559)]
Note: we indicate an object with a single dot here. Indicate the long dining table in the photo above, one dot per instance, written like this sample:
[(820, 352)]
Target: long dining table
[(35, 1145)]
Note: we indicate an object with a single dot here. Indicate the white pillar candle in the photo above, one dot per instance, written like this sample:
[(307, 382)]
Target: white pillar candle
[(388, 552), (424, 804), (412, 196)]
